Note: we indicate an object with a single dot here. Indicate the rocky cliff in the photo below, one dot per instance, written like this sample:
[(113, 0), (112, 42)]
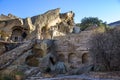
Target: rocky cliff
[(45, 26)]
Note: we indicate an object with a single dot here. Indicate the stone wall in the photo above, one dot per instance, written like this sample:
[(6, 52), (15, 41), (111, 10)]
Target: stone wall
[(73, 49)]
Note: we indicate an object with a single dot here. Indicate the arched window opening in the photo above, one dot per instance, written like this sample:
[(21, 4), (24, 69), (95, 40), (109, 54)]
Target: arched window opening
[(72, 58), (85, 58)]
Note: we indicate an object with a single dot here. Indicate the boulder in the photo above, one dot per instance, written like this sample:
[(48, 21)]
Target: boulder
[(59, 68)]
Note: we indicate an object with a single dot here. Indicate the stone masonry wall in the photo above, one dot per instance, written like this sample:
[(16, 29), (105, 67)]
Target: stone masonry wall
[(73, 49)]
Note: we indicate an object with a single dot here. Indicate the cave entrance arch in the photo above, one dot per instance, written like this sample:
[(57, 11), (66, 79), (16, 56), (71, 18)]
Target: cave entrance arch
[(31, 60), (43, 32), (18, 34), (38, 53)]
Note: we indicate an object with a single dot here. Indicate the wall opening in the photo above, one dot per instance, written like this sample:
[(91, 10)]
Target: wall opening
[(43, 32), (72, 58), (85, 58), (24, 35), (38, 53), (52, 60), (17, 34), (43, 29), (31, 60)]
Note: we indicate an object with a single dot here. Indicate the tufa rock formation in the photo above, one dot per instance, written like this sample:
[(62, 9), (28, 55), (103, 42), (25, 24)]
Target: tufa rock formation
[(44, 26), (43, 44)]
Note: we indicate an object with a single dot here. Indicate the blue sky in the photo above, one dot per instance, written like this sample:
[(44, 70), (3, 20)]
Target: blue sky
[(106, 10)]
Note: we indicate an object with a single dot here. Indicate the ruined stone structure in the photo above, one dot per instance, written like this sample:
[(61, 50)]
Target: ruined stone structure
[(43, 44), (73, 49)]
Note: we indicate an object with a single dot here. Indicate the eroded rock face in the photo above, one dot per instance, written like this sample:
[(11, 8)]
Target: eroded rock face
[(44, 26)]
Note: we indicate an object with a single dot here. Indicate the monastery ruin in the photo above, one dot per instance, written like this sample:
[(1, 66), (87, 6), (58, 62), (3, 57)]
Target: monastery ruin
[(43, 43)]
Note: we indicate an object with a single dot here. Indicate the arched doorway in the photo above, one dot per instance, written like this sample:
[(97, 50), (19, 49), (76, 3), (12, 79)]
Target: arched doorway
[(18, 34), (85, 58), (43, 32), (72, 58)]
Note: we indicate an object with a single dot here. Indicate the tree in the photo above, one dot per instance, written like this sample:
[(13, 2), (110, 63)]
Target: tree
[(78, 24), (90, 21), (105, 50)]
